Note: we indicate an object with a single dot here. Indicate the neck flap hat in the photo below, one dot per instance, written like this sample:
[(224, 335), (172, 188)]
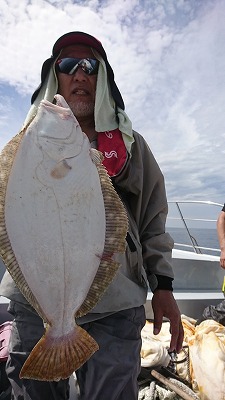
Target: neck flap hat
[(80, 38), (109, 105)]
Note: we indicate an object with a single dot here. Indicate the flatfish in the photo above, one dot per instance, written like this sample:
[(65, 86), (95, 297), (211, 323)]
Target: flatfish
[(61, 221), (207, 356)]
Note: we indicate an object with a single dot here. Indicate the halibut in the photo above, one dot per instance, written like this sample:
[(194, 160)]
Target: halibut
[(61, 221), (207, 356)]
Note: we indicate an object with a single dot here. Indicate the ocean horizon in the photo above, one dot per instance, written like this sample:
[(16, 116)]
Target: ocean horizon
[(206, 238)]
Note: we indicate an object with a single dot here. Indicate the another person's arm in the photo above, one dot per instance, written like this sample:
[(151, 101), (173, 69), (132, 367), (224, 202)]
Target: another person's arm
[(221, 236)]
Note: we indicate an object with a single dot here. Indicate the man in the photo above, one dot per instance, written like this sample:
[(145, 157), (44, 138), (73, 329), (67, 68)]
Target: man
[(79, 70), (217, 313)]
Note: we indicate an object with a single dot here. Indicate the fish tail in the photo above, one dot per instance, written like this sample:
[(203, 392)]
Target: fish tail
[(53, 358)]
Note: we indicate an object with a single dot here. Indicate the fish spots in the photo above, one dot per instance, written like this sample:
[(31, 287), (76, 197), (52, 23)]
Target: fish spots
[(60, 170)]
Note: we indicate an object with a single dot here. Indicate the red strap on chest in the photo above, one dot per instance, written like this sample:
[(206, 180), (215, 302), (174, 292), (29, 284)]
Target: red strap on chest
[(112, 146)]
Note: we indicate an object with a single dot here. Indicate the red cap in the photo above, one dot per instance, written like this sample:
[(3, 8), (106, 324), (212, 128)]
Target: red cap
[(78, 38)]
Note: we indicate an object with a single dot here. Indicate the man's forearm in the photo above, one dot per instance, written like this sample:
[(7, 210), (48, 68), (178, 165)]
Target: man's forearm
[(221, 237), (221, 230)]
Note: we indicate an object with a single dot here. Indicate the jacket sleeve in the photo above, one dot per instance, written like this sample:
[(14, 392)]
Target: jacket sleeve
[(143, 182)]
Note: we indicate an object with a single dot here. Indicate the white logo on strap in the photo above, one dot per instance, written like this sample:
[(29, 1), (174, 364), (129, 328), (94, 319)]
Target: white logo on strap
[(112, 153), (109, 134)]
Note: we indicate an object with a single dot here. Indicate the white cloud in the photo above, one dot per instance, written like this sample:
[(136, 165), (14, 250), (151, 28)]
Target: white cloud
[(169, 62)]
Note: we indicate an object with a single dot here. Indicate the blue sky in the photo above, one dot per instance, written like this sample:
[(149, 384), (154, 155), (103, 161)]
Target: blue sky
[(169, 62)]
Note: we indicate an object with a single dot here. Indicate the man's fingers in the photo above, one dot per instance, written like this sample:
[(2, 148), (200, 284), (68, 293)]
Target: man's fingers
[(157, 324), (158, 320), (177, 334)]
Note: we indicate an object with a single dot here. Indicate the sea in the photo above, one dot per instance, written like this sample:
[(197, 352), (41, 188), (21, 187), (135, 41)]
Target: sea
[(204, 238), (194, 222)]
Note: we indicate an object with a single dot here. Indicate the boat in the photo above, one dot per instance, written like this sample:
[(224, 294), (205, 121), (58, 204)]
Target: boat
[(198, 277)]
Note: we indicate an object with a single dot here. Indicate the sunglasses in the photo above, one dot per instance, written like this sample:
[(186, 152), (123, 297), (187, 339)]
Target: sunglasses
[(69, 66)]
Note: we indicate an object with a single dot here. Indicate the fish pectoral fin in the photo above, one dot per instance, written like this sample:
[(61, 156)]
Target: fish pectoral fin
[(53, 359)]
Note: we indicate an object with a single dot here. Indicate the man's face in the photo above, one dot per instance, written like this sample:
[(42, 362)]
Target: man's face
[(79, 89)]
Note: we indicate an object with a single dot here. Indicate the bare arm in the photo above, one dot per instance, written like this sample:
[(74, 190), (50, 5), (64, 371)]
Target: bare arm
[(221, 237)]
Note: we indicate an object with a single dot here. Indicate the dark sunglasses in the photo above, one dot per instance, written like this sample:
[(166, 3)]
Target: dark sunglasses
[(69, 66)]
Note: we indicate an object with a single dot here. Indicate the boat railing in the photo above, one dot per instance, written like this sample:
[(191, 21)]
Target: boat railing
[(197, 249), (185, 218)]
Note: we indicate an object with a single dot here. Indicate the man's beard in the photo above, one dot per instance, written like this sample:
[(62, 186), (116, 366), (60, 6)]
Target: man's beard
[(82, 109)]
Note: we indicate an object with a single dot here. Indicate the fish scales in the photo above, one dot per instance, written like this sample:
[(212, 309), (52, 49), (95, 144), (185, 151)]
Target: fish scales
[(55, 190)]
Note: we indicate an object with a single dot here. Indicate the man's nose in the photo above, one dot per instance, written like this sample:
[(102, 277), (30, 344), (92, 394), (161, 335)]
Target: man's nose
[(79, 75)]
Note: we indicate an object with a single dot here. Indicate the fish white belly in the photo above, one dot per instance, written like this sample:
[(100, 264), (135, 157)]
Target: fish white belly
[(56, 226)]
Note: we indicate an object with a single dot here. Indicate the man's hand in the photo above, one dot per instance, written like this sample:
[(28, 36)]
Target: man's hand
[(164, 305)]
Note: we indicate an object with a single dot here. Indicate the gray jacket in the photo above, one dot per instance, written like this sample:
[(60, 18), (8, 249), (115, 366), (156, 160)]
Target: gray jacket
[(149, 248)]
